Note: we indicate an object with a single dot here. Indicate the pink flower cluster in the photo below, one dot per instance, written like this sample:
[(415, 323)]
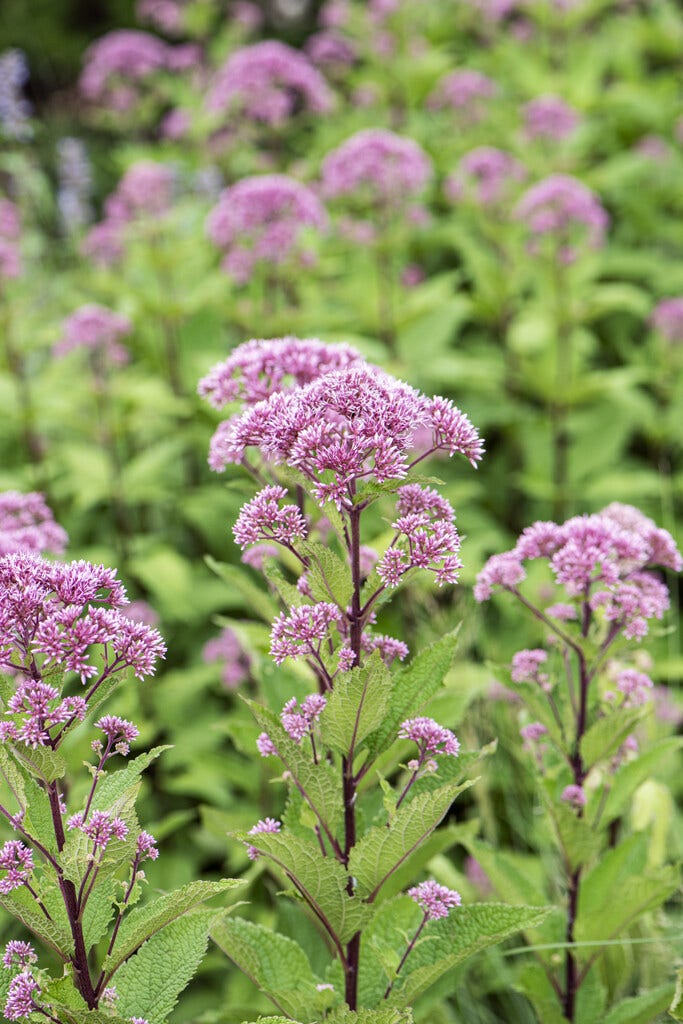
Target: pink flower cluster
[(165, 15), (42, 709), (227, 650), (119, 732), (264, 519), (427, 536), (63, 612), (27, 524), (575, 796), (298, 721), (18, 954), (485, 176), (378, 169), (466, 91), (566, 210), (117, 64), (596, 558), (258, 368), (21, 994), (430, 737), (549, 117), (526, 667), (435, 900), (263, 220), (100, 829), (635, 686), (144, 192), (301, 633), (268, 82), (667, 318), (264, 825), (331, 50), (10, 232), (97, 328), (17, 860), (346, 427)]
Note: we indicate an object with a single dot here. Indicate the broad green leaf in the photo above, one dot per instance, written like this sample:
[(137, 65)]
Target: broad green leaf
[(591, 999), (612, 871), (390, 1015), (113, 785), (466, 931), (38, 818), (99, 910), (516, 877), (74, 1015), (143, 922), (637, 896), (357, 705), (633, 773), (382, 850), (42, 762), (578, 840), (328, 576), (276, 964), (256, 598), (607, 734), (322, 881), (534, 983), (413, 686), (287, 592), (20, 904), (641, 1009), (319, 782), (676, 1008), (148, 985)]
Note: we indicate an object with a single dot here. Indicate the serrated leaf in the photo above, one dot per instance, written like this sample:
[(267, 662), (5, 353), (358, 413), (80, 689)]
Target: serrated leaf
[(413, 686), (148, 985), (20, 904), (641, 1009), (390, 1015), (113, 785), (579, 841), (99, 910), (329, 578), (143, 922), (357, 705), (276, 964), (29, 795), (607, 734), (286, 591), (73, 1015), (449, 942), (322, 881), (381, 850), (44, 763), (319, 781)]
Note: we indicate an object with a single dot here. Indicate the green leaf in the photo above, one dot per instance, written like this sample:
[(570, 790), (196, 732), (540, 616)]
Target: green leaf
[(676, 1008), (42, 762), (413, 686), (448, 942), (99, 910), (276, 964), (256, 599), (534, 983), (641, 1009), (38, 818), (579, 841), (149, 983), (382, 850), (516, 877), (143, 922), (328, 576), (114, 785), (390, 1015), (319, 782), (20, 904), (607, 734), (322, 881), (637, 895), (357, 705), (633, 773), (286, 591)]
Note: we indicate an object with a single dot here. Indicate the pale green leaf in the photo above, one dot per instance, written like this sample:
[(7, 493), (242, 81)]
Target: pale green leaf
[(256, 599), (637, 896), (329, 578), (641, 1009), (579, 841), (676, 1008), (113, 785), (607, 734), (42, 762), (148, 985), (20, 904), (633, 773), (276, 964), (388, 1015), (357, 705)]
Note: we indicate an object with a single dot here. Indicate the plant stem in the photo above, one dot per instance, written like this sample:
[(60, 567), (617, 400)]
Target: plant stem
[(411, 946)]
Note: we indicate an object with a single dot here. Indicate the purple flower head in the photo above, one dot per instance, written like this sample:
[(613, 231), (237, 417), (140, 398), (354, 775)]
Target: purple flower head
[(301, 633), (265, 745), (258, 368), (264, 519), (165, 15), (42, 709), (20, 996), (635, 686), (268, 82), (505, 570), (427, 536), (574, 795), (101, 828), (334, 13), (388, 646), (435, 900), (18, 954), (330, 50), (27, 524), (526, 666), (118, 64), (97, 328), (430, 737), (549, 117), (145, 190), (298, 721), (532, 733), (485, 176), (227, 650), (64, 612), (467, 92), (120, 733), (377, 169), (263, 825), (262, 221), (566, 210), (667, 318), (145, 847), (347, 426), (15, 109), (17, 860)]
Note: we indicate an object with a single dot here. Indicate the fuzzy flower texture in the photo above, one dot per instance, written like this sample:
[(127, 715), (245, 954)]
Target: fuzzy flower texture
[(27, 524), (600, 559)]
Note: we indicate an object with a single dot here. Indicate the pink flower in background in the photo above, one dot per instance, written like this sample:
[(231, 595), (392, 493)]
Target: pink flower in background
[(265, 825), (564, 209), (494, 11), (485, 176), (653, 147), (667, 318), (117, 63), (549, 117), (165, 15), (526, 666), (575, 796), (466, 91), (330, 49), (377, 169), (27, 524), (334, 13), (98, 328), (261, 221), (268, 82), (227, 651)]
